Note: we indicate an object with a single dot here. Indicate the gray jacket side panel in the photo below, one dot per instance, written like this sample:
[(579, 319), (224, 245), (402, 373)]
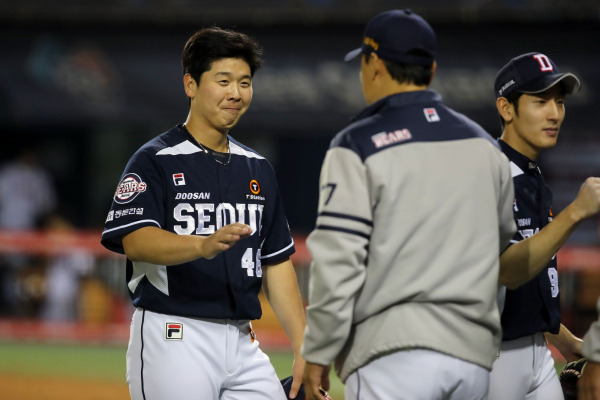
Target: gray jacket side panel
[(591, 341), (406, 253)]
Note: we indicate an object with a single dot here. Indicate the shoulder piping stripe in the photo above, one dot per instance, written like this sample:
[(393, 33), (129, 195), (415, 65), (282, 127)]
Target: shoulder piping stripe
[(338, 229), (131, 224), (515, 170), (235, 149), (278, 252), (185, 147), (346, 216)]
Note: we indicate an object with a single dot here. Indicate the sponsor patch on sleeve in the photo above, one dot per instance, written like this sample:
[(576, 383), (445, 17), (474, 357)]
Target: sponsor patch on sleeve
[(130, 187)]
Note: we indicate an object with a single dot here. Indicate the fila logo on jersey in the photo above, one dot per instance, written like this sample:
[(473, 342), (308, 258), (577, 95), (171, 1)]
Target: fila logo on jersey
[(129, 188), (254, 186), (383, 139), (431, 115), (178, 179), (173, 331)]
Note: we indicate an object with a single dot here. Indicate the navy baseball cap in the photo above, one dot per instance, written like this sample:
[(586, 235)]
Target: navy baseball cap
[(398, 35), (532, 73)]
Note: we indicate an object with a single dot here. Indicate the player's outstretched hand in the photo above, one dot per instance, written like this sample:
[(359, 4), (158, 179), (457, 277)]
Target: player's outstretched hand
[(224, 239), (297, 371), (587, 201)]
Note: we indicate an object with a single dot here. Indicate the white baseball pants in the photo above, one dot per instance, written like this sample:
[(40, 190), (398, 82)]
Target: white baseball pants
[(525, 370), (418, 375), (172, 357)]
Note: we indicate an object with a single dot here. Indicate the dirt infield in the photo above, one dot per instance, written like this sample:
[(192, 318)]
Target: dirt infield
[(51, 388)]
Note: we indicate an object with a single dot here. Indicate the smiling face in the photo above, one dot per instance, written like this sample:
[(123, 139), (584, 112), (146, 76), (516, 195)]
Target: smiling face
[(536, 123), (222, 96)]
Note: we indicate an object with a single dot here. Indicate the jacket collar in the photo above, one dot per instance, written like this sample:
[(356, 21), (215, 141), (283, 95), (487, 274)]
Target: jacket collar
[(399, 100)]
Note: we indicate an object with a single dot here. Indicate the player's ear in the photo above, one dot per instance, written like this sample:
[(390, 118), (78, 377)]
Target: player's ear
[(190, 86), (505, 109), (378, 65)]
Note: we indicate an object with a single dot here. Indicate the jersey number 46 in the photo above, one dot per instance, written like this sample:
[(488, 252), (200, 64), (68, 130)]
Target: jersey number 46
[(249, 262)]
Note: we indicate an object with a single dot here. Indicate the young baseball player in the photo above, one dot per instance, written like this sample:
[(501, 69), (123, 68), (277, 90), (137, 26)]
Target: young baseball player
[(589, 382), (403, 284), (200, 218), (530, 93)]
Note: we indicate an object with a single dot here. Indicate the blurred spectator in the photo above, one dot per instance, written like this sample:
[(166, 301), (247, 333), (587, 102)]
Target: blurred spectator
[(27, 194), (63, 276)]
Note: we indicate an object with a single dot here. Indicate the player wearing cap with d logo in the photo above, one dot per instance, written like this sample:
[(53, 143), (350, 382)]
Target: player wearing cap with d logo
[(403, 284), (530, 92)]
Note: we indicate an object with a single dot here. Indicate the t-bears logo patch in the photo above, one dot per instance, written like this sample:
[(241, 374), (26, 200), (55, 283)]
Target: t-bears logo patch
[(129, 188)]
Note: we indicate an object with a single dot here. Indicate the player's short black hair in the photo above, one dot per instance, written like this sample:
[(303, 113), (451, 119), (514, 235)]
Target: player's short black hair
[(211, 44), (409, 73)]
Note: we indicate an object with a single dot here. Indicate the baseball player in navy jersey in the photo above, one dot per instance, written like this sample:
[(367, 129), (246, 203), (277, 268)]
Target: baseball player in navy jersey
[(403, 284), (531, 93), (201, 221)]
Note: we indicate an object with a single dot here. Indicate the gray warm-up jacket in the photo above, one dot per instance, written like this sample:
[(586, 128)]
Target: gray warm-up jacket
[(416, 204), (591, 341)]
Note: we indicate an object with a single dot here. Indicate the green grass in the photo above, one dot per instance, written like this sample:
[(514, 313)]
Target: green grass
[(85, 362), (101, 363)]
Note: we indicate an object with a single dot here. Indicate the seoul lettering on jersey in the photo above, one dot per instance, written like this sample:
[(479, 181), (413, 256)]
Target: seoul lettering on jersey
[(205, 219)]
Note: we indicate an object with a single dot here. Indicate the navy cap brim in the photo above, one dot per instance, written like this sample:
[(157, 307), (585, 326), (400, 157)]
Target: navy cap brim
[(570, 83), (352, 54)]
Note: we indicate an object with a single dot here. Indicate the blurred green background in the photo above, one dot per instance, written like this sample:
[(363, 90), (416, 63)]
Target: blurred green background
[(98, 364)]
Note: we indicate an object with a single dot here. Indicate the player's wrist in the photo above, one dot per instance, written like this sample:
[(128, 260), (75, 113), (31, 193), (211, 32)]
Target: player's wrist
[(575, 213), (201, 247)]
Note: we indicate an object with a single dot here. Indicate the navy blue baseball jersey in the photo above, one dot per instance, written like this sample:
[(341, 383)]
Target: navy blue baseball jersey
[(535, 306), (175, 184)]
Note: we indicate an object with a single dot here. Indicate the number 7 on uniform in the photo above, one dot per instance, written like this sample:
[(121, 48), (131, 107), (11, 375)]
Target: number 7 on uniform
[(331, 187)]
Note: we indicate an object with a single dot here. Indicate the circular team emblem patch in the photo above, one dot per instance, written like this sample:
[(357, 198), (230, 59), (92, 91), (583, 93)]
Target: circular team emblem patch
[(129, 188), (254, 186)]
